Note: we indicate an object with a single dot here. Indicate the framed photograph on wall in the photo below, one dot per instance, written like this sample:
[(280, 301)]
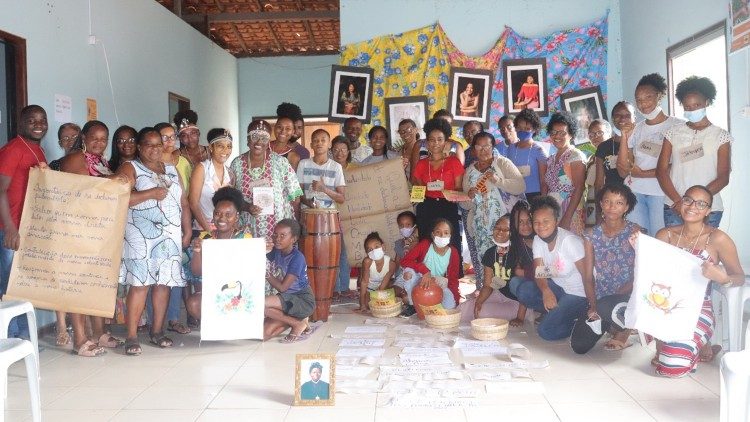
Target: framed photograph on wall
[(400, 108), (469, 95), (315, 380), (526, 85), (351, 93), (585, 105)]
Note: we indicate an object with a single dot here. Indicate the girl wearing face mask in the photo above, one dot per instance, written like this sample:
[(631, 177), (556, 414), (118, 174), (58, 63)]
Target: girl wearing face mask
[(377, 270), (639, 152), (494, 299), (694, 153), (526, 154), (432, 260)]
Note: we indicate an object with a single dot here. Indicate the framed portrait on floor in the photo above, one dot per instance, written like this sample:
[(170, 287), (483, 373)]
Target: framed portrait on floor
[(315, 380), (351, 93), (585, 105), (469, 95), (526, 85), (401, 108)]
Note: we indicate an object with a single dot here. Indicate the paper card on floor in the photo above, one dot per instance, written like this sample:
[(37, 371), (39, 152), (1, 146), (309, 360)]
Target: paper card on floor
[(476, 348), (425, 359), (417, 401), (365, 329), (360, 352), (233, 298), (518, 364), (493, 376), (353, 371), (515, 387), (347, 360), (362, 342), (373, 360), (428, 350), (379, 321), (408, 370)]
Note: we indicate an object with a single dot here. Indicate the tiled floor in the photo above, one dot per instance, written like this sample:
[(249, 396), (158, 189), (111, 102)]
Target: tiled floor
[(250, 380)]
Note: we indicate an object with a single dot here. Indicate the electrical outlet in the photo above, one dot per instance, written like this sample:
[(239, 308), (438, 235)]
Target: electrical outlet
[(92, 39), (745, 112)]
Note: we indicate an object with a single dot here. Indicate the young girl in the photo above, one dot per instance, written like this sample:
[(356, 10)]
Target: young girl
[(432, 260), (377, 269)]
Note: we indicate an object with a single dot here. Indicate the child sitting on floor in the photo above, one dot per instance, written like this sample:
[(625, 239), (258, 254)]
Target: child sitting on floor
[(428, 262), (407, 226), (295, 301), (377, 270)]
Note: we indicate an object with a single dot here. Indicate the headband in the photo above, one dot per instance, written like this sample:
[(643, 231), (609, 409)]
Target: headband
[(224, 136), (185, 125)]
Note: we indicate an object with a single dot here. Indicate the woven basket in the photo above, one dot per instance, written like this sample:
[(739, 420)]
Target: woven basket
[(489, 328), (385, 311), (444, 322)]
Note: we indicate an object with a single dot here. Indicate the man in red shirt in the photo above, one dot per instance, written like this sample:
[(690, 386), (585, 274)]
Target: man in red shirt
[(16, 158)]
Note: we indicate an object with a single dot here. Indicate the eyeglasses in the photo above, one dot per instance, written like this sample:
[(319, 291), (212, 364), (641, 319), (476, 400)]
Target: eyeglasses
[(68, 138), (485, 147), (558, 132), (701, 205), (597, 133), (166, 138), (406, 130), (125, 141)]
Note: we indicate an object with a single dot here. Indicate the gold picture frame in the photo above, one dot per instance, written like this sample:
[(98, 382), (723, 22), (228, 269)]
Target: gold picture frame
[(310, 392)]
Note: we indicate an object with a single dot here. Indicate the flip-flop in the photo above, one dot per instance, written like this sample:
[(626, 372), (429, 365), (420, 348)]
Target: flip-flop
[(89, 349), (110, 341), (311, 328), (292, 338), (178, 327), (613, 345), (705, 358)]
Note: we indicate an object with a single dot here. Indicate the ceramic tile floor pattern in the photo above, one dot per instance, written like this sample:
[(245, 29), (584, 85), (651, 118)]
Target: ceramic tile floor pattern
[(251, 380)]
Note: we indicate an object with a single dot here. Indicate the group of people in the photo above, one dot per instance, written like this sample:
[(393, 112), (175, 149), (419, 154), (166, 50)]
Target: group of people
[(521, 213)]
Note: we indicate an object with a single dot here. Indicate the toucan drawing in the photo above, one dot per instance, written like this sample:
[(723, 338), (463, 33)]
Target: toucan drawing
[(233, 285)]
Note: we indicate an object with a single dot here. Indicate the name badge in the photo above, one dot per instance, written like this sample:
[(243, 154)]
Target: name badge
[(650, 148), (543, 271), (611, 162), (691, 153), (525, 170), (437, 185)]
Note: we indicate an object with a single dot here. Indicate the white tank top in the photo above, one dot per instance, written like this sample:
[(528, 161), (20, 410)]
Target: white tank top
[(210, 185), (376, 277)]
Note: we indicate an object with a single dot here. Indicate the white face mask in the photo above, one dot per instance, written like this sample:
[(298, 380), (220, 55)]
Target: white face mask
[(376, 254), (406, 231), (441, 242), (501, 245), (651, 116)]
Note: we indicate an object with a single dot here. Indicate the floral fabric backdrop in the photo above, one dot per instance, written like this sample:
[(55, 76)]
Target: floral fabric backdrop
[(418, 62)]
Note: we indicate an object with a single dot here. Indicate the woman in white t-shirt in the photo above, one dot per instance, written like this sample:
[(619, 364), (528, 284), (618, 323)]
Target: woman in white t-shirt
[(639, 153), (557, 289), (694, 153)]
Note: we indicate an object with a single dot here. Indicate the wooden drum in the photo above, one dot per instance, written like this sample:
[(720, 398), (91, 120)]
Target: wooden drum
[(322, 249)]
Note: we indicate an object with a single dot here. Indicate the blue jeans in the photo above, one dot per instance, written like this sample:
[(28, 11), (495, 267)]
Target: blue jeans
[(648, 212), (173, 308), (342, 283), (559, 321), (18, 326), (671, 218)]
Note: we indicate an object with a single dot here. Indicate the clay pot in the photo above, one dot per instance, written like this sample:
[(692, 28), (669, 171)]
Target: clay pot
[(426, 297)]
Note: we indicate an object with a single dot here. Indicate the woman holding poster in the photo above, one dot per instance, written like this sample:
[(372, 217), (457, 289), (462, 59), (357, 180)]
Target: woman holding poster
[(721, 264), (157, 229)]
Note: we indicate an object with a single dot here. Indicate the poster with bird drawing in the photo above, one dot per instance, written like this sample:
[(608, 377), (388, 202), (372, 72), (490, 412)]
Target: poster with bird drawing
[(668, 291), (233, 289)]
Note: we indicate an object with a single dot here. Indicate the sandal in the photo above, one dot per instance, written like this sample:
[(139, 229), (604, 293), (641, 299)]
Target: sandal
[(89, 349), (110, 341), (159, 339), (62, 338), (613, 345), (133, 347), (705, 356), (307, 332), (292, 338), (178, 327)]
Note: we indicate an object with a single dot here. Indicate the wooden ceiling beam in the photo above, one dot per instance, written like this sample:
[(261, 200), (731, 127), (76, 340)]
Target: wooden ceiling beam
[(177, 7), (264, 16), (239, 38)]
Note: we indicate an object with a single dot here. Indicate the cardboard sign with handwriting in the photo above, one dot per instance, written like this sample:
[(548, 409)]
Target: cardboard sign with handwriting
[(72, 232), (375, 195)]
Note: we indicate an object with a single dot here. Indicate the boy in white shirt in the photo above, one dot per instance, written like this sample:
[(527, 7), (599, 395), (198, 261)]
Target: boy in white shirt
[(321, 178)]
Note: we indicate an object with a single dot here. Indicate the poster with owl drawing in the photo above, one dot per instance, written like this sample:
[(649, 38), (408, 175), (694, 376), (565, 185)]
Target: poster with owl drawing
[(668, 291)]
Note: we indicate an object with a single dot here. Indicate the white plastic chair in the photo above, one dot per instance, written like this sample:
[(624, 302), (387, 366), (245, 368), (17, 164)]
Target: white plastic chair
[(734, 375), (10, 309), (733, 301), (12, 350)]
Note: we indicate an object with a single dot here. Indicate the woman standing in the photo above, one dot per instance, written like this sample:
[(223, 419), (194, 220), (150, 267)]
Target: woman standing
[(262, 168), (87, 160), (721, 265), (639, 153), (381, 146), (566, 172), (123, 147), (694, 153), (190, 136), (66, 137), (528, 156), (208, 177), (341, 154), (438, 172), (157, 230), (288, 142), (492, 184), (409, 134)]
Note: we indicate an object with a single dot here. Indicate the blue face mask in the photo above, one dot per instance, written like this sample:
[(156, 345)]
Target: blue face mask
[(696, 116), (524, 135)]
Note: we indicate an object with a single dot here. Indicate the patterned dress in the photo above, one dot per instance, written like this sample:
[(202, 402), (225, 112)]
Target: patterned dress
[(614, 259), (559, 180), (275, 172), (152, 253)]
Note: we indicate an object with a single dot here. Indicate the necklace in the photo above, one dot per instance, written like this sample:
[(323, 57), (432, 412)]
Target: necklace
[(696, 238), (25, 142)]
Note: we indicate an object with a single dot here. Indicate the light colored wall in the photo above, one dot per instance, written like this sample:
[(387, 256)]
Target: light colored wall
[(150, 52), (264, 83), (475, 25), (649, 28)]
